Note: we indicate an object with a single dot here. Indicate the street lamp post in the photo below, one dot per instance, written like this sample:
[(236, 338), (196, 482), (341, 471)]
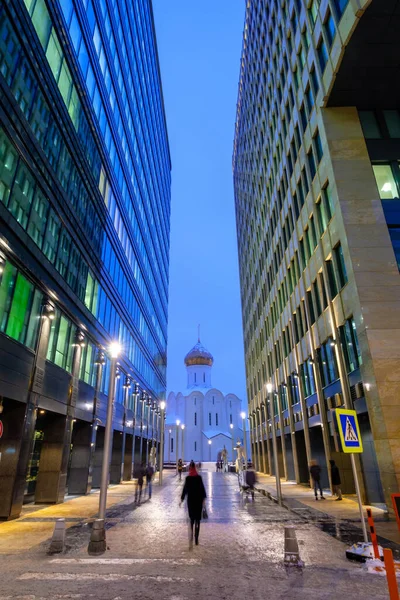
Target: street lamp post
[(169, 445), (275, 445), (177, 443), (97, 542), (243, 415), (161, 453), (231, 426), (183, 442), (209, 445)]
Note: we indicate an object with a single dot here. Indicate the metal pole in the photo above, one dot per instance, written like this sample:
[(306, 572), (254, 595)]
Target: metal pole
[(161, 453), (245, 441), (356, 482), (183, 444), (233, 451), (169, 446), (105, 469), (275, 445), (177, 447)]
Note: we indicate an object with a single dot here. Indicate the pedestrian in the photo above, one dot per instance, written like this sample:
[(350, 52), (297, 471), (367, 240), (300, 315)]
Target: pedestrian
[(315, 472), (196, 494), (139, 483), (335, 477), (217, 466), (149, 479), (251, 480), (180, 468)]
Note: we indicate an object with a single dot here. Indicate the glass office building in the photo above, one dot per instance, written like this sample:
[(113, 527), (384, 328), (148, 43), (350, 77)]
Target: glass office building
[(85, 177), (316, 177)]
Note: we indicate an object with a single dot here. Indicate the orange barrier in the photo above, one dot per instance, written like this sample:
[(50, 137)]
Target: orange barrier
[(373, 533), (390, 574)]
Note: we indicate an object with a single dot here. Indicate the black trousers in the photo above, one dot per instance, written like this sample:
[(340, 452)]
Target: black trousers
[(194, 523)]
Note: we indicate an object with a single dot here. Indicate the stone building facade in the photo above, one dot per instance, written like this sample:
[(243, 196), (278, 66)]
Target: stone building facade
[(316, 176)]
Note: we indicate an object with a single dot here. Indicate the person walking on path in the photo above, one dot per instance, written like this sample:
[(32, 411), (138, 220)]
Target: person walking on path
[(335, 476), (315, 472), (180, 468), (196, 494), (149, 479), (139, 483)]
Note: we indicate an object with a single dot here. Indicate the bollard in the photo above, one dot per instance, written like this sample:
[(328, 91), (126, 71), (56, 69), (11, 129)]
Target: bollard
[(391, 574), (58, 540), (373, 533), (292, 555), (97, 544)]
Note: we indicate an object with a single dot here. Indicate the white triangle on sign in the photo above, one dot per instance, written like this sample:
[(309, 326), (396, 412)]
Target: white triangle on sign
[(350, 435)]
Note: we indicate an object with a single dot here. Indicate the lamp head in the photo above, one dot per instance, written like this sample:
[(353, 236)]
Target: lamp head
[(163, 405), (269, 387), (178, 422), (210, 442), (114, 349), (243, 415), (183, 426), (231, 425)]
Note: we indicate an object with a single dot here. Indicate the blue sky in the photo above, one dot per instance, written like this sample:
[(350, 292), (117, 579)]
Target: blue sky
[(199, 44)]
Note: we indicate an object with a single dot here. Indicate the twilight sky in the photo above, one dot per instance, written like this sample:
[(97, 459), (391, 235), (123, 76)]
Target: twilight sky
[(199, 44)]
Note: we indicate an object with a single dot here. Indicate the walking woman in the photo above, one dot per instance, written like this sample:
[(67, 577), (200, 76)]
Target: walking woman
[(196, 495)]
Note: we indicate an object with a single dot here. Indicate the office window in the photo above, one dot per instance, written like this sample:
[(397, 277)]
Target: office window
[(317, 298), (38, 218), (318, 146), (340, 265), (8, 165), (322, 53), (20, 307), (321, 215), (22, 195), (303, 118), (310, 307), (330, 29), (385, 181), (328, 200), (313, 12), (369, 124), (349, 339), (60, 347), (314, 80), (392, 118), (340, 6), (333, 286), (311, 162), (395, 238), (322, 287), (309, 98)]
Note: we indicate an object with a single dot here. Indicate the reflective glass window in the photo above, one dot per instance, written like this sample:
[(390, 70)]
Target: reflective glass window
[(385, 181), (38, 218), (22, 195), (392, 118), (369, 124), (20, 308), (8, 165)]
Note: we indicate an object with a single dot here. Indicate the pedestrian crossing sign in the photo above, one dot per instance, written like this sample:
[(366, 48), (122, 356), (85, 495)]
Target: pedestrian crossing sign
[(349, 430)]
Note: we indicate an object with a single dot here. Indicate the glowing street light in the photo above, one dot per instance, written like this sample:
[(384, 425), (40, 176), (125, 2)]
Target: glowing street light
[(114, 351), (243, 415), (161, 454)]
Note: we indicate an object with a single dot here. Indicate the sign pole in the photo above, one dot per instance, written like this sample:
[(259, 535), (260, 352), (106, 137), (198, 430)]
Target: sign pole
[(358, 492)]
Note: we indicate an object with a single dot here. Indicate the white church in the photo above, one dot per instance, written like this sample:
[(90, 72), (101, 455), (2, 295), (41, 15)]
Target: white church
[(201, 420)]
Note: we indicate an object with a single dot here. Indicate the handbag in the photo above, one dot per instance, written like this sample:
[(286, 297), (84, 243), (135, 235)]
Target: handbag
[(204, 513)]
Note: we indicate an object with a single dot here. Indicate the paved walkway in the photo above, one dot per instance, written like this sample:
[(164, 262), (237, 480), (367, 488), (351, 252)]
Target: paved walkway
[(300, 497), (240, 554)]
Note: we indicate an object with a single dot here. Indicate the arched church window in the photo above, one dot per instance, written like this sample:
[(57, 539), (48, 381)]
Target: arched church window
[(195, 401), (195, 418), (195, 446), (204, 377), (213, 400), (216, 419), (209, 418), (195, 377)]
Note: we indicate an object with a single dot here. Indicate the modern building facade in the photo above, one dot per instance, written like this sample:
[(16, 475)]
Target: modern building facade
[(84, 242), (316, 175), (202, 420)]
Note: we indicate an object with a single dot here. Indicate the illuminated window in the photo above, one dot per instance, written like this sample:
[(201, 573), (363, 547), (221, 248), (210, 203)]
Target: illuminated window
[(385, 181)]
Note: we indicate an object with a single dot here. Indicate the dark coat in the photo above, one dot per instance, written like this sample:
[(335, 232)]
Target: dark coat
[(335, 474), (195, 491), (251, 478), (315, 472)]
